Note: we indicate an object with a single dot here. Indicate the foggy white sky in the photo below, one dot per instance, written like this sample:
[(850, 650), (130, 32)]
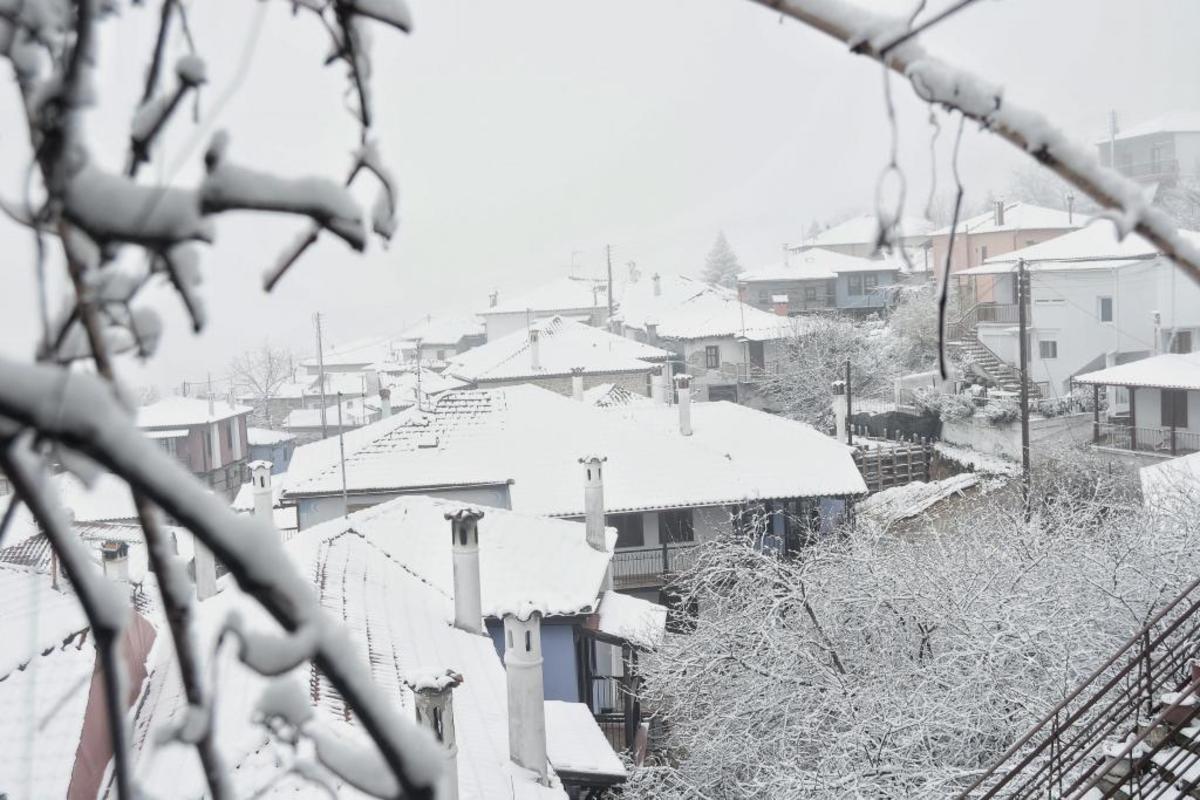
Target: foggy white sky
[(521, 133)]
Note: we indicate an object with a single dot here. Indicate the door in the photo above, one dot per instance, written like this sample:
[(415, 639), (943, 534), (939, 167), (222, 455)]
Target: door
[(757, 359)]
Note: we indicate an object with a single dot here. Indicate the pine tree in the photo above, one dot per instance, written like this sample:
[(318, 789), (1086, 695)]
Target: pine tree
[(722, 267)]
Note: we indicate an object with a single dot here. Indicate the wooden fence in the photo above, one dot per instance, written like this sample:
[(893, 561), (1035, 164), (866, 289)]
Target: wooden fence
[(893, 462)]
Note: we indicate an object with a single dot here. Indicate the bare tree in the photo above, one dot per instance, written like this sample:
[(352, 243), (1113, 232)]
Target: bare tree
[(880, 665), (115, 235), (259, 373)]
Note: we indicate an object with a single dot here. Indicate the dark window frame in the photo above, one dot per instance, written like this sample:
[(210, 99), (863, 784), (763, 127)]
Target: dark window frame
[(1101, 302), (676, 525), (854, 285), (1174, 408), (712, 356), (631, 529), (1047, 349)]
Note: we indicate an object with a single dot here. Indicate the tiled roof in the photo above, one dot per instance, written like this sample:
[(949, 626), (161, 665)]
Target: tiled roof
[(399, 624), (817, 264), (173, 412), (608, 395), (264, 436), (560, 294), (719, 315), (445, 329), (1018, 216), (534, 438), (1093, 247), (863, 229), (108, 499), (563, 345)]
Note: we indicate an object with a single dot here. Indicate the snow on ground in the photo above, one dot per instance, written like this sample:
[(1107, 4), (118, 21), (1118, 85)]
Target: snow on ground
[(979, 462), (904, 502)]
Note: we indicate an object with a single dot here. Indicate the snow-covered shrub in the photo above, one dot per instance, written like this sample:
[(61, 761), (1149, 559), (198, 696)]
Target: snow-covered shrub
[(956, 406), (999, 412)]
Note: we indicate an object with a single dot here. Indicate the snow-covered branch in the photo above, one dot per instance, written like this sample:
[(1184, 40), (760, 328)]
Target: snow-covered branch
[(934, 80)]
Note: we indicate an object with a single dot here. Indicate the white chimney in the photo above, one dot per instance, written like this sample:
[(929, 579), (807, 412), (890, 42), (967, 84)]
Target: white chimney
[(683, 388), (535, 355), (206, 570), (114, 557), (493, 299), (657, 285), (264, 499), (385, 402), (999, 213), (652, 333), (526, 696), (839, 409), (434, 702), (577, 383), (468, 602), (657, 386), (593, 500)]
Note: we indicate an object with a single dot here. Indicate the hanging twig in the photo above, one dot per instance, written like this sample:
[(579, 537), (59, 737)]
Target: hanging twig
[(944, 289)]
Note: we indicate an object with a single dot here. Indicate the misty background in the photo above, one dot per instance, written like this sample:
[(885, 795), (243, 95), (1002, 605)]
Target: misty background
[(527, 136)]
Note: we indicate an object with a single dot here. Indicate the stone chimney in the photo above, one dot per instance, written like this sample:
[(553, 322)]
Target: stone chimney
[(999, 213), (657, 279), (114, 557), (839, 409), (526, 696), (657, 383), (385, 402), (779, 304), (434, 701), (468, 600), (493, 299), (652, 333), (535, 349), (577, 383), (683, 388), (593, 500), (264, 500)]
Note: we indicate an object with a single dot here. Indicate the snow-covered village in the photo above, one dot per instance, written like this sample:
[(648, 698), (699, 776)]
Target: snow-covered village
[(642, 400)]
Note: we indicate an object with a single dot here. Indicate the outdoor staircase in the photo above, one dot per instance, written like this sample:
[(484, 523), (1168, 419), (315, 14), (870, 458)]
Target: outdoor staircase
[(985, 361), (1130, 731)]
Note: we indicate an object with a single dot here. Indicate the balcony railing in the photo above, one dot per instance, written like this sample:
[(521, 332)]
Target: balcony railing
[(1151, 170), (998, 312), (649, 566), (1143, 439)]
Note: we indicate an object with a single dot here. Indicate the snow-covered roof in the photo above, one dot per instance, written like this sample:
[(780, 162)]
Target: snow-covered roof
[(1095, 246), (631, 619), (354, 412), (1171, 483), (1166, 371), (904, 502), (1171, 122), (607, 395), (533, 437), (175, 412), (266, 437), (718, 314), (639, 302), (46, 665), (561, 294), (398, 623), (444, 329), (359, 352), (575, 745), (108, 499), (1018, 216), (817, 264), (284, 517), (863, 229), (563, 345)]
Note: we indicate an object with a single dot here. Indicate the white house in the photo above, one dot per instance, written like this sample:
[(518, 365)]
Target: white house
[(1095, 301), (858, 236), (581, 299), (1159, 150)]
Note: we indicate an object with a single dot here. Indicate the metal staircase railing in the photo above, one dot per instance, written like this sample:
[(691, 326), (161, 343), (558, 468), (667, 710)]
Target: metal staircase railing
[(1111, 737)]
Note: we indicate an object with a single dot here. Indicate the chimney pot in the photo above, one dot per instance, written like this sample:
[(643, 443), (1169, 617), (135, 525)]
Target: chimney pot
[(433, 693), (652, 333), (577, 383), (999, 213), (593, 500), (535, 355), (683, 388), (114, 555), (493, 299), (657, 285), (526, 694), (464, 537), (385, 402), (264, 499)]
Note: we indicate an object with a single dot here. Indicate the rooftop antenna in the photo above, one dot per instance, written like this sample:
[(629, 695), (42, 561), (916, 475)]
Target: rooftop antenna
[(211, 408), (321, 374)]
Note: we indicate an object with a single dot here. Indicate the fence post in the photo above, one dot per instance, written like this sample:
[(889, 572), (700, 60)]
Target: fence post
[(666, 562)]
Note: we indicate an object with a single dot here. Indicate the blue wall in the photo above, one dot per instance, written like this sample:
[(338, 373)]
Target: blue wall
[(874, 299), (559, 674)]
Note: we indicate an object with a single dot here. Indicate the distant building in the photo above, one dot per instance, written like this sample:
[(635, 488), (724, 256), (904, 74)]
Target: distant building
[(819, 280), (309, 424), (580, 299), (437, 339), (273, 446), (1008, 226), (355, 356), (859, 236), (561, 355), (1158, 151), (206, 436)]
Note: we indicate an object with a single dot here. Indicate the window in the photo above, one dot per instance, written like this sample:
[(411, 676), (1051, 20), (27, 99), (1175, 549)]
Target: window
[(764, 297), (870, 282), (1174, 408), (676, 526), (983, 252), (1048, 348), (1181, 342), (810, 294), (229, 434), (630, 531), (1106, 309), (712, 356), (855, 284)]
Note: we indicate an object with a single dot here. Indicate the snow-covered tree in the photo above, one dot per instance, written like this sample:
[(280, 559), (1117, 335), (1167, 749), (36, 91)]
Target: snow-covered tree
[(880, 665), (721, 268), (258, 374), (111, 233)]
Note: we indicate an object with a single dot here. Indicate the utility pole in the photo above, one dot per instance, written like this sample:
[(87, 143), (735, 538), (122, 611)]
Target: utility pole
[(342, 455), (1023, 346), (608, 258), (418, 397), (321, 374)]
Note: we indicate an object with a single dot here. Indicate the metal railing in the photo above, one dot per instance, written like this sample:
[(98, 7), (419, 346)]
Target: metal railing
[(641, 566), (1114, 735), (1163, 168), (1145, 439), (999, 312)]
